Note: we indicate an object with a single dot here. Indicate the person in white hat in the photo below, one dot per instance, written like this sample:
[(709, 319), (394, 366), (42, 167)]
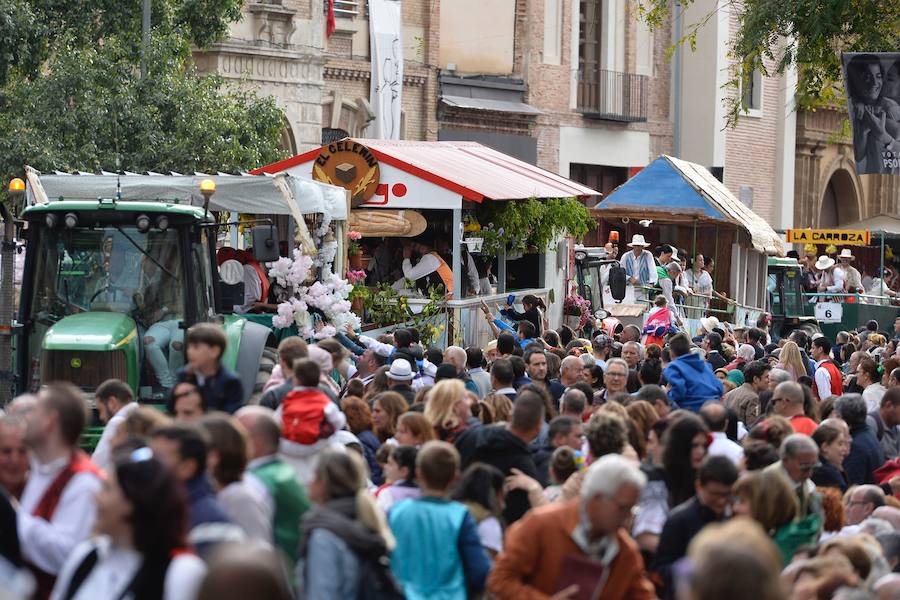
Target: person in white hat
[(830, 279), (639, 266), (852, 276), (400, 377)]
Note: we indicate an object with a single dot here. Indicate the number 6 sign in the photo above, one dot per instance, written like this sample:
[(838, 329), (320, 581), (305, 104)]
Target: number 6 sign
[(829, 312)]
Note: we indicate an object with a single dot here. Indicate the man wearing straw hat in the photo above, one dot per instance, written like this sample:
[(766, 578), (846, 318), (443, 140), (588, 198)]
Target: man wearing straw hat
[(639, 266), (852, 276), (830, 279)]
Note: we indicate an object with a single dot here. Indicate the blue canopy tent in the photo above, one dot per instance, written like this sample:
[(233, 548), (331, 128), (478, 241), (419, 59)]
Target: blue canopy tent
[(670, 190), (700, 214)]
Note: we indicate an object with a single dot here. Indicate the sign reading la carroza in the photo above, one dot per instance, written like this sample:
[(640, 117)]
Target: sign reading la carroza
[(847, 237), (350, 165)]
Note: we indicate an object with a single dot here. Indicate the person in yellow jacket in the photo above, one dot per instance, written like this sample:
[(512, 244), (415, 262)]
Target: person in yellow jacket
[(430, 269)]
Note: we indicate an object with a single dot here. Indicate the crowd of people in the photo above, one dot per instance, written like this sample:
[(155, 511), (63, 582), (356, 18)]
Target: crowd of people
[(545, 465)]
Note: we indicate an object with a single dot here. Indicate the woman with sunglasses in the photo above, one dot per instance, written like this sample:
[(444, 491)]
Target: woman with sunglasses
[(140, 551)]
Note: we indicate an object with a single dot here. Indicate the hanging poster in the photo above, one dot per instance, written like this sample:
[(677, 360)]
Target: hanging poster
[(872, 81), (386, 44)]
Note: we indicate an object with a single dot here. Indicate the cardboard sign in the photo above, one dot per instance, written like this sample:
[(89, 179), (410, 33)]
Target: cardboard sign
[(846, 237), (350, 165)]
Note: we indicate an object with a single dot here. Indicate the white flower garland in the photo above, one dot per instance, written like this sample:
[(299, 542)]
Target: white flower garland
[(329, 295)]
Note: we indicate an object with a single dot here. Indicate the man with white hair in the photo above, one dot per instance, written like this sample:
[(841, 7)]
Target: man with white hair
[(571, 371), (777, 376), (632, 353), (457, 357), (585, 535)]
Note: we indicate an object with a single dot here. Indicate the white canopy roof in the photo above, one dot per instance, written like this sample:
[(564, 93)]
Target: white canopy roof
[(249, 194)]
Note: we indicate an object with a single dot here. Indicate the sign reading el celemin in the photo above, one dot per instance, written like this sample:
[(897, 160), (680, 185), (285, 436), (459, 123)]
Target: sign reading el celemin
[(872, 81)]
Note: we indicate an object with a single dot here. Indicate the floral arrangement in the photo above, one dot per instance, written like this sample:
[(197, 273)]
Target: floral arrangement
[(353, 248), (355, 277), (329, 297), (577, 306)]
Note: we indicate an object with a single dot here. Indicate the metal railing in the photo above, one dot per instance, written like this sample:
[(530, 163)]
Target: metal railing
[(612, 95), (870, 299), (347, 9)]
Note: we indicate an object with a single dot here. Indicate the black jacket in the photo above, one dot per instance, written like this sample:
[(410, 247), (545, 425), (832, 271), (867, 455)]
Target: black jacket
[(684, 522), (542, 456), (223, 391), (828, 475), (865, 456), (9, 535), (496, 446)]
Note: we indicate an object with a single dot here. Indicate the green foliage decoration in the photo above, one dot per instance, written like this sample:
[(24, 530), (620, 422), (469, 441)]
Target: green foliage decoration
[(520, 224)]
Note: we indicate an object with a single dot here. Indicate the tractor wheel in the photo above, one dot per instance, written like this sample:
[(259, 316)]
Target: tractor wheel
[(267, 362)]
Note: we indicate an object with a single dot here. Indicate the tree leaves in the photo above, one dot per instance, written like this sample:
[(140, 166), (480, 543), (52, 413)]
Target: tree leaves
[(806, 34), (91, 110)]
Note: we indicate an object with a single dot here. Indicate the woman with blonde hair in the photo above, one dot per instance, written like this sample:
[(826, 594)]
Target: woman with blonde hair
[(344, 531), (767, 498), (500, 407), (790, 360), (447, 408)]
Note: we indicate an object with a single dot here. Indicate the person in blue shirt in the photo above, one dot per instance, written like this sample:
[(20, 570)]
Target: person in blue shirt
[(438, 553), (691, 379)]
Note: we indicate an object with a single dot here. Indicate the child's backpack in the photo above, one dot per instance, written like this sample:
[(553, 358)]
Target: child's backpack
[(303, 419)]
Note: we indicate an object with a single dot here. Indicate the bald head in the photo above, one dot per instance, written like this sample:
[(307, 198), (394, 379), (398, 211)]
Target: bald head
[(570, 370), (787, 399), (715, 415), (456, 356), (837, 424), (263, 426), (889, 514), (888, 587)]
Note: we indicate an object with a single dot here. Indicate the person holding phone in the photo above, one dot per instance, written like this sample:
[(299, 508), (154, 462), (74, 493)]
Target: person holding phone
[(533, 311)]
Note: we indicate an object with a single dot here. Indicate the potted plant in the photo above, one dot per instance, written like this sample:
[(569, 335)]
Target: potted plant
[(360, 292), (354, 249), (577, 311)]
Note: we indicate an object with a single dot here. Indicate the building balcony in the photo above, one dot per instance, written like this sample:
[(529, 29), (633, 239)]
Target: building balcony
[(612, 96)]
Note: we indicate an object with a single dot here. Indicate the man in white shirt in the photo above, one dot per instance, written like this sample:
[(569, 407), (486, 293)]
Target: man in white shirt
[(639, 265), (716, 418), (114, 403), (57, 508), (429, 263)]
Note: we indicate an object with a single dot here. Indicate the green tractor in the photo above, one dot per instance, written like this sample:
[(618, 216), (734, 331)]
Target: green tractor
[(785, 298), (111, 284), (94, 273), (792, 309)]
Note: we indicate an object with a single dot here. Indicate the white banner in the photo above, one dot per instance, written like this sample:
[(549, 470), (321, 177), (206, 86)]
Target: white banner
[(386, 44)]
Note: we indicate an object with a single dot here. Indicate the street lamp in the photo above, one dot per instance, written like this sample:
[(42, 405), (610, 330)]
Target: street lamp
[(7, 258), (207, 189)]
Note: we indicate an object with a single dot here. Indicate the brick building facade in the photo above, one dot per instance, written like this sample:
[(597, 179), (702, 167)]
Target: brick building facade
[(580, 88)]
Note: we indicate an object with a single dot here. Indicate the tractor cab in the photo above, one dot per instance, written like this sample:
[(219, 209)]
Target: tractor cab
[(785, 297), (103, 277)]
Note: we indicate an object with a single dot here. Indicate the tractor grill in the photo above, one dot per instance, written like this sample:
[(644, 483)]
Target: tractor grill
[(85, 369)]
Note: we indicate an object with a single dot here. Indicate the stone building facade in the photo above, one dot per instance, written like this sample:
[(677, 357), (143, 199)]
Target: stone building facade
[(829, 193)]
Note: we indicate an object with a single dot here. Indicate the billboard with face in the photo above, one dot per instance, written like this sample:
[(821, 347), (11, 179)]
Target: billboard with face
[(872, 81)]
